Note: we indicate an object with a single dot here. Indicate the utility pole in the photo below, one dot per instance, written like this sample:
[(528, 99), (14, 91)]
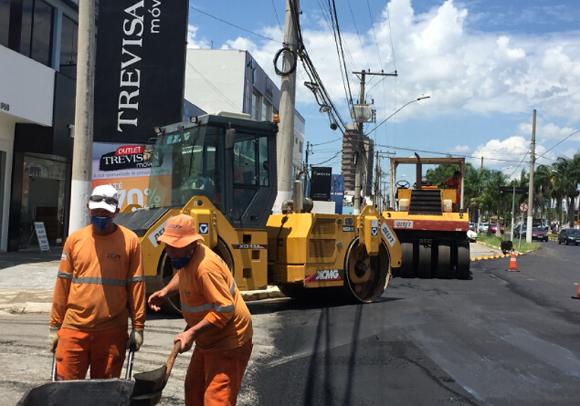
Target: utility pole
[(531, 185), (84, 108), (479, 205), (359, 150), (307, 170), (287, 103)]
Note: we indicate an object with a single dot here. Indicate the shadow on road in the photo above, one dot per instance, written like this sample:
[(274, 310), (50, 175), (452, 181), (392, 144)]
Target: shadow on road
[(286, 304)]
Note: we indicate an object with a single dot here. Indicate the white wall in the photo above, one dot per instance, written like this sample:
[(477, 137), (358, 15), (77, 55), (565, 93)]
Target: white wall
[(6, 145), (27, 87), (214, 79)]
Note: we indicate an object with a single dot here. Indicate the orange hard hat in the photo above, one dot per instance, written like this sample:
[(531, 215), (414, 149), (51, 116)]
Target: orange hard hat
[(180, 231)]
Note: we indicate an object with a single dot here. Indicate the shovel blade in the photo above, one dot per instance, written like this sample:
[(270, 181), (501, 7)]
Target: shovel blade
[(149, 381)]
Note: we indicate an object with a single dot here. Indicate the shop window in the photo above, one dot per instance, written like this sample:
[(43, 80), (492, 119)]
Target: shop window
[(4, 21), (36, 33), (256, 106), (68, 47)]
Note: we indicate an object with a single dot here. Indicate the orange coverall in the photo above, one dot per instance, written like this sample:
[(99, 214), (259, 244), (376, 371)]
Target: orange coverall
[(100, 280), (208, 291)]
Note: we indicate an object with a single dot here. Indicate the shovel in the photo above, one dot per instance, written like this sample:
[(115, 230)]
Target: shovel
[(150, 384)]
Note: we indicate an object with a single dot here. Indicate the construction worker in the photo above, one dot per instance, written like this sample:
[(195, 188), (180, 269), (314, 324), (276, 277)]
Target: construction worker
[(218, 320), (99, 284), (454, 182)]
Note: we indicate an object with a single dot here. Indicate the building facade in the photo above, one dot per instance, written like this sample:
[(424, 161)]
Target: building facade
[(37, 91), (231, 80)]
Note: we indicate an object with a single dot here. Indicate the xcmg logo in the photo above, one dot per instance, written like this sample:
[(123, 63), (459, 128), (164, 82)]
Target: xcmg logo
[(324, 275)]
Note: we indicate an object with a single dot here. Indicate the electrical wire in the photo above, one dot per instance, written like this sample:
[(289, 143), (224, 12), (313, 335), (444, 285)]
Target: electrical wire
[(328, 160), (518, 165), (221, 20), (558, 143), (326, 142), (391, 37), (356, 29), (214, 87), (449, 154), (374, 36)]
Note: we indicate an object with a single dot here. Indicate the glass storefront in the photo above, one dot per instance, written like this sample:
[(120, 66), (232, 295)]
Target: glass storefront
[(43, 198)]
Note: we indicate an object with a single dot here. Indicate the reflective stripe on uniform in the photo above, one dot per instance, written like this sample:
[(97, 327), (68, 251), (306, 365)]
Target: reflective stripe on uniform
[(137, 279), (64, 275), (100, 281), (208, 306)]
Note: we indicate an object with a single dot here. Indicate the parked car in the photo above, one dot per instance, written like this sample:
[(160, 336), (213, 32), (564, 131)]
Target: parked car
[(483, 227), (538, 233), (492, 229), (569, 236)]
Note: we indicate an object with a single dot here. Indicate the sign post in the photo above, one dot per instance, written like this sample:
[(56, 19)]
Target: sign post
[(41, 236)]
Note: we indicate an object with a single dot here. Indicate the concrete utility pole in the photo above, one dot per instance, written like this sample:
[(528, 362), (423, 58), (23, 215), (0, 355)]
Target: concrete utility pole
[(479, 205), (84, 107), (359, 149), (531, 185), (307, 169), (287, 102)]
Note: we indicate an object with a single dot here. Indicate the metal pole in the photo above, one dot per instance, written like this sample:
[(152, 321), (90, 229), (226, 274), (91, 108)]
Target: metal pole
[(306, 171), (513, 210), (287, 102), (479, 205), (531, 185), (359, 149), (83, 131)]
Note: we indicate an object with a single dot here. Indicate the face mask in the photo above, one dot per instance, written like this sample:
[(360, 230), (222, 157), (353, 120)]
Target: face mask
[(179, 263), (101, 223)]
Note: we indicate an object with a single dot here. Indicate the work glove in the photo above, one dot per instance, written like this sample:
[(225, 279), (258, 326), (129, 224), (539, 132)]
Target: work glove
[(52, 338), (135, 340)]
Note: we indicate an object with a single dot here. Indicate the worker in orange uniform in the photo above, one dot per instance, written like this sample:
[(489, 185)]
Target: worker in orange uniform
[(99, 285), (218, 320), (454, 182)]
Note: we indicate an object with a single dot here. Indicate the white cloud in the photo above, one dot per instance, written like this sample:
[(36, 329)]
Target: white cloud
[(460, 149), (549, 132), (192, 41), (437, 54)]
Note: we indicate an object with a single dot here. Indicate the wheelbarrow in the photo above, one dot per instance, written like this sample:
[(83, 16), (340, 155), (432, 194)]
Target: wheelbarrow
[(144, 390)]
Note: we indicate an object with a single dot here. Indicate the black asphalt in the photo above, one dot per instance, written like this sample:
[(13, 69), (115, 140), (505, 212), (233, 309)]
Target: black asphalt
[(501, 338)]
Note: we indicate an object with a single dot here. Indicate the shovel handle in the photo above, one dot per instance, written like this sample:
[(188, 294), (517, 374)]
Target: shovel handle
[(53, 368), (171, 359)]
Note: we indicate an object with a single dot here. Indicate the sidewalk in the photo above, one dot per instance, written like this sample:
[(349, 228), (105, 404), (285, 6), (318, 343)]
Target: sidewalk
[(480, 252), (27, 280)]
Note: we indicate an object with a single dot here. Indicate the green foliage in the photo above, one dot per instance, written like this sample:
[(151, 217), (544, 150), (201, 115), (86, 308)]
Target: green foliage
[(483, 188)]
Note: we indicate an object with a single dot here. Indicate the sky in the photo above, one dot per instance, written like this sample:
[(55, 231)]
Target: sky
[(486, 65)]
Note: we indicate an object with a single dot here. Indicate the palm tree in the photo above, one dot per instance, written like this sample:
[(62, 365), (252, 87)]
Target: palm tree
[(543, 179), (565, 183)]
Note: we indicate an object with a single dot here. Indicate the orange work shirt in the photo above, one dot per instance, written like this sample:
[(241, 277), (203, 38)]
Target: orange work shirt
[(100, 279), (208, 291)]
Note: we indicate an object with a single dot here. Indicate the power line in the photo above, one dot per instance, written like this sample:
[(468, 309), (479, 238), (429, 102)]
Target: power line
[(518, 165), (326, 142), (374, 36), (449, 154), (231, 24), (558, 143), (210, 83), (356, 28), (328, 160), (391, 37)]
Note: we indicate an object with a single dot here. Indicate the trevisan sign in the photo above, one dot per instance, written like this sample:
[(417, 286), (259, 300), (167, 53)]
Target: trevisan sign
[(140, 68)]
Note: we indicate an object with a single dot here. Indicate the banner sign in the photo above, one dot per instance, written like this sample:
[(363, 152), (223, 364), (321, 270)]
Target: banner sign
[(140, 68), (337, 192), (320, 183)]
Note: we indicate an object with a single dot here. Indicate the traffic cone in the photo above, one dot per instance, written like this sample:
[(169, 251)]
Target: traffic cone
[(577, 293), (513, 266)]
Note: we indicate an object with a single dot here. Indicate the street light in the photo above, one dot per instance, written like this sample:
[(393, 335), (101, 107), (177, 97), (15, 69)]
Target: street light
[(396, 111)]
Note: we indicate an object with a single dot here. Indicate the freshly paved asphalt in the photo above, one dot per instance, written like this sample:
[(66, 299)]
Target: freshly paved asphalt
[(501, 338)]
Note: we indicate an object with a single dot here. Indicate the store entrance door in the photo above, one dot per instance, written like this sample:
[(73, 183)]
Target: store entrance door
[(43, 187)]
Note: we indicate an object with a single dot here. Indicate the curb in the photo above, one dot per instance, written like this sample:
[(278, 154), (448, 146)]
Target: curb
[(16, 308), (272, 292)]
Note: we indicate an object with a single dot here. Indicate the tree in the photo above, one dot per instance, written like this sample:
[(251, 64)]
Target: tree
[(565, 184)]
